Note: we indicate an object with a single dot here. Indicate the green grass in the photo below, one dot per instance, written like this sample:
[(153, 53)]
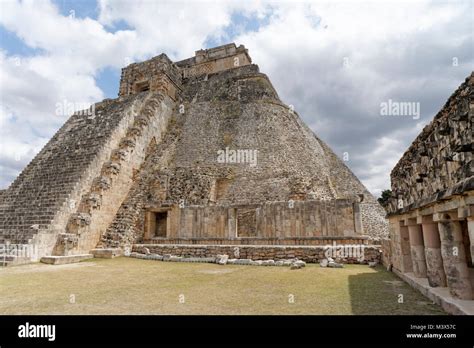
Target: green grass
[(132, 286)]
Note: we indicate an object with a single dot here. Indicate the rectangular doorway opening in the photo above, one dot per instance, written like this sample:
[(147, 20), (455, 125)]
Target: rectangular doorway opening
[(142, 86), (161, 222)]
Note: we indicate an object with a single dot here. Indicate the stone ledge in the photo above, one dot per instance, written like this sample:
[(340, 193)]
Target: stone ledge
[(62, 260), (108, 253), (251, 246), (439, 295)]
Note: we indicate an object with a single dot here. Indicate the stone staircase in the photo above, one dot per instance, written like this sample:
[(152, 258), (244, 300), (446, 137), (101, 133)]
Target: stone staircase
[(97, 207), (32, 208)]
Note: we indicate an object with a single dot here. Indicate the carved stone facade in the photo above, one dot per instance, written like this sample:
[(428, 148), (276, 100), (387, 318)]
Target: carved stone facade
[(432, 212)]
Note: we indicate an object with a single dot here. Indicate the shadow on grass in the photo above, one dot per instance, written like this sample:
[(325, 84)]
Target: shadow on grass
[(378, 292)]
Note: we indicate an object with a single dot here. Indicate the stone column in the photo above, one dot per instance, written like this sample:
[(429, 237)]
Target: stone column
[(454, 259), (417, 249), (470, 229), (434, 260), (406, 264)]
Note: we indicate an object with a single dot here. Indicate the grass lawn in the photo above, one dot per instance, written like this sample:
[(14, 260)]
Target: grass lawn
[(133, 286)]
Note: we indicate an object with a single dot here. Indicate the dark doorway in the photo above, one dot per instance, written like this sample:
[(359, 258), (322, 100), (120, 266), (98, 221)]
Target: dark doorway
[(161, 219), (142, 86)]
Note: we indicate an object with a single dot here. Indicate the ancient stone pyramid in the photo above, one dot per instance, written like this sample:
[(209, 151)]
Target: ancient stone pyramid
[(200, 151)]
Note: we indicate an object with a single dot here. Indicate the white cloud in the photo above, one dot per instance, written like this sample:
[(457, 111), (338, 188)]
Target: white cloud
[(395, 50), (72, 52)]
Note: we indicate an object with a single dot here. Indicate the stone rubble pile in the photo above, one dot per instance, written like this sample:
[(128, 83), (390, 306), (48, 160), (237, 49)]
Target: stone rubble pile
[(329, 262)]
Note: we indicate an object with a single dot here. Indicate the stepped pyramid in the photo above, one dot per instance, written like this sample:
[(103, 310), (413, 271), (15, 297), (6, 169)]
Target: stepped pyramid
[(199, 151)]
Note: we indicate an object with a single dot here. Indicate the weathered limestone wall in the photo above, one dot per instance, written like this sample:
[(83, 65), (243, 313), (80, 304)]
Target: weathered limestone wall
[(271, 223), (272, 220), (439, 163), (314, 254)]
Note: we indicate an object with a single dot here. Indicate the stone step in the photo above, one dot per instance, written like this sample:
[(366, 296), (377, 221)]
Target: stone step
[(107, 253), (61, 260)]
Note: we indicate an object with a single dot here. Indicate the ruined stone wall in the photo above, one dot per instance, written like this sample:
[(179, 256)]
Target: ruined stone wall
[(439, 163), (313, 254)]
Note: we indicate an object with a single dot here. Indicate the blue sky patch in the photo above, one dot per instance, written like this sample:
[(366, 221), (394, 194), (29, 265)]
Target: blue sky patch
[(15, 46)]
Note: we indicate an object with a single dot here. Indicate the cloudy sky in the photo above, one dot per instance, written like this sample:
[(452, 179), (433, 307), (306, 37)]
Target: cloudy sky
[(335, 62)]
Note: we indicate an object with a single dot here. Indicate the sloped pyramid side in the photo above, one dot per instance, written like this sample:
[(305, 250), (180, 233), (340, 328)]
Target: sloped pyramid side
[(239, 109)]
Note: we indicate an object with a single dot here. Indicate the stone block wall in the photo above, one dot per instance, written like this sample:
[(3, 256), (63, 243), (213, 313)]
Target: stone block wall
[(272, 223), (272, 220), (311, 254)]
